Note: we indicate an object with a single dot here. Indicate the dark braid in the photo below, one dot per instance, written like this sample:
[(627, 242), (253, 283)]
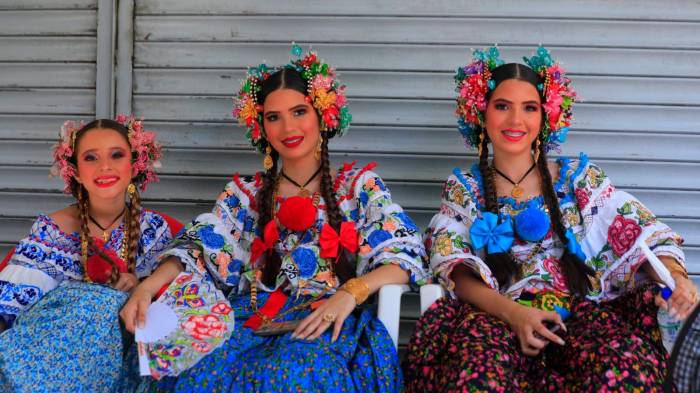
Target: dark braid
[(501, 264), (575, 270), (345, 267), (134, 230), (85, 234), (271, 262)]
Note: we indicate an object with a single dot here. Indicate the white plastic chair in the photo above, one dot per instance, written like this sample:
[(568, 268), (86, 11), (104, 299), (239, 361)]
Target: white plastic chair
[(389, 310)]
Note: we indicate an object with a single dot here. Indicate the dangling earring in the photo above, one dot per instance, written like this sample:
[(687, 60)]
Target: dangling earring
[(131, 189), (267, 161), (480, 146), (319, 147), (537, 148)]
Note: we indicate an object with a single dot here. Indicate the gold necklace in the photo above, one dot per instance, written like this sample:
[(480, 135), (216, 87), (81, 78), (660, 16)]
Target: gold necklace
[(517, 191)]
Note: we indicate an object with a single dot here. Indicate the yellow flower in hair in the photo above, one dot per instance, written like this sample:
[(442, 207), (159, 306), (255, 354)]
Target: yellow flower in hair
[(444, 245), (324, 99), (248, 111)]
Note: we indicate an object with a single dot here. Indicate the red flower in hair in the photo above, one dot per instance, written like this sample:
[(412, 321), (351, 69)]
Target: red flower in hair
[(297, 213)]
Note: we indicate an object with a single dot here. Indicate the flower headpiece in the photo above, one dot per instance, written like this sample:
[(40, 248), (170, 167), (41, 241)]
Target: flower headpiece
[(146, 152), (474, 81), (327, 96)]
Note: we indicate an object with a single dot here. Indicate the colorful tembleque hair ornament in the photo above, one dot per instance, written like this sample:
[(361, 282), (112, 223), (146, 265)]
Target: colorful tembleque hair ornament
[(145, 152), (474, 81), (327, 96)]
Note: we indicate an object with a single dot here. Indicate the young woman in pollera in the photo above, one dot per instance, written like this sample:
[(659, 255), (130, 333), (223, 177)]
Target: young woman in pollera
[(522, 243), (302, 244)]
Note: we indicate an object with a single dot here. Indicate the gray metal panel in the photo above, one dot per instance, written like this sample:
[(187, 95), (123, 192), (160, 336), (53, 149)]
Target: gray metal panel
[(47, 75), (681, 10)]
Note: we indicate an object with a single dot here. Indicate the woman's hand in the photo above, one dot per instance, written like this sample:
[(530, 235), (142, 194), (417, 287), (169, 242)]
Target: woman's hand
[(683, 300), (126, 282), (333, 311), (527, 323), (134, 311)]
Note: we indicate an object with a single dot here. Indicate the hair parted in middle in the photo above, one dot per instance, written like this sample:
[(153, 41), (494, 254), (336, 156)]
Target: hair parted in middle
[(317, 81)]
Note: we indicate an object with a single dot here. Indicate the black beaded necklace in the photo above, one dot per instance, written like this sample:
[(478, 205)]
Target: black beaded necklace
[(517, 191), (303, 192)]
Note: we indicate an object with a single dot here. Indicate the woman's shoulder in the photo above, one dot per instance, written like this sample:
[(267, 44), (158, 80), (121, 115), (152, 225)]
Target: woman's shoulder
[(156, 220), (241, 190), (578, 173), (65, 221), (352, 180)]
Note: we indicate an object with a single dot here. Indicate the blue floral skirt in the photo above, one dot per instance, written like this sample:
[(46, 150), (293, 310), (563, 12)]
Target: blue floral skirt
[(363, 359), (69, 341)]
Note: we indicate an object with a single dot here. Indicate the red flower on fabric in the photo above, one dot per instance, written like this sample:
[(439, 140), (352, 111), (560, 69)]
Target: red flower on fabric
[(202, 327), (297, 213), (622, 234), (221, 308), (582, 198), (552, 266), (99, 270)]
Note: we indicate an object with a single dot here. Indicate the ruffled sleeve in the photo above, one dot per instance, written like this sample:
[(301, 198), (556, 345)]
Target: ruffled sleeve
[(217, 244), (619, 232), (157, 232), (37, 266), (387, 235), (447, 237)]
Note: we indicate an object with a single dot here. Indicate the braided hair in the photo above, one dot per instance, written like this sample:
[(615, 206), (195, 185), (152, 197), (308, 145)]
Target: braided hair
[(502, 265), (133, 226), (288, 78)]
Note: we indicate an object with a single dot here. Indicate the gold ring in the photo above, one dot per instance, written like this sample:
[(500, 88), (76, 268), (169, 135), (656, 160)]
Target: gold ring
[(330, 317)]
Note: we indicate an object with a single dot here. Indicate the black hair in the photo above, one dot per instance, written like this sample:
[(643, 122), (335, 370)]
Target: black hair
[(289, 78), (502, 265)]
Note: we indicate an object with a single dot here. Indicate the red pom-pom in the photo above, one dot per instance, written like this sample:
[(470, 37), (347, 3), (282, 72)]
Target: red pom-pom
[(99, 270), (297, 213)]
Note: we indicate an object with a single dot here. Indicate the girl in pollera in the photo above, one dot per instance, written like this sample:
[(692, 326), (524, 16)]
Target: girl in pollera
[(64, 285)]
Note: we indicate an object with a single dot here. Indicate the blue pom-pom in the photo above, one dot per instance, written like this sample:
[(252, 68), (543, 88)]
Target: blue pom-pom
[(532, 224), (296, 50)]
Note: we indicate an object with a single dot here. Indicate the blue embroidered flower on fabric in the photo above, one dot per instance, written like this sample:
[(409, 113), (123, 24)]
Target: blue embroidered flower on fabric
[(377, 237), (241, 216), (32, 251), (379, 183), (232, 201), (364, 198), (210, 238), (147, 236), (306, 260), (407, 222), (156, 221)]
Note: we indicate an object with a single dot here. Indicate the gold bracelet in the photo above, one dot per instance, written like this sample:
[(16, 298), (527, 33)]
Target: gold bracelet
[(676, 267), (357, 288)]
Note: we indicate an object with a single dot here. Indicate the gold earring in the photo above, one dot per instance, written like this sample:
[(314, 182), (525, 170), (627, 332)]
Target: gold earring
[(537, 149), (267, 161), (319, 147), (131, 189), (480, 146)]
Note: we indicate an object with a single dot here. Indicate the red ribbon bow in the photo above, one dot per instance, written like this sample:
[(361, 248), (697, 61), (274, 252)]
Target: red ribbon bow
[(259, 246), (331, 242)]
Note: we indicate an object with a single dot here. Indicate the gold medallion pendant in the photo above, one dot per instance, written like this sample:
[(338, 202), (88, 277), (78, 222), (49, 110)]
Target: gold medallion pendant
[(517, 192)]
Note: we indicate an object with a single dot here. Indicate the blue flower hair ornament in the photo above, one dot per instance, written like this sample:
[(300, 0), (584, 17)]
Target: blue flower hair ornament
[(487, 232)]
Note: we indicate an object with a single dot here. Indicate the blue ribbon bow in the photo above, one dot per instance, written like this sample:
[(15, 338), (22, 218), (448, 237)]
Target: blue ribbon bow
[(573, 247), (486, 231)]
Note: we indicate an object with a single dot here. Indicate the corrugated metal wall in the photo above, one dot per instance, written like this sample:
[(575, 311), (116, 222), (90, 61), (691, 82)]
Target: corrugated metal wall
[(636, 64), (47, 74)]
